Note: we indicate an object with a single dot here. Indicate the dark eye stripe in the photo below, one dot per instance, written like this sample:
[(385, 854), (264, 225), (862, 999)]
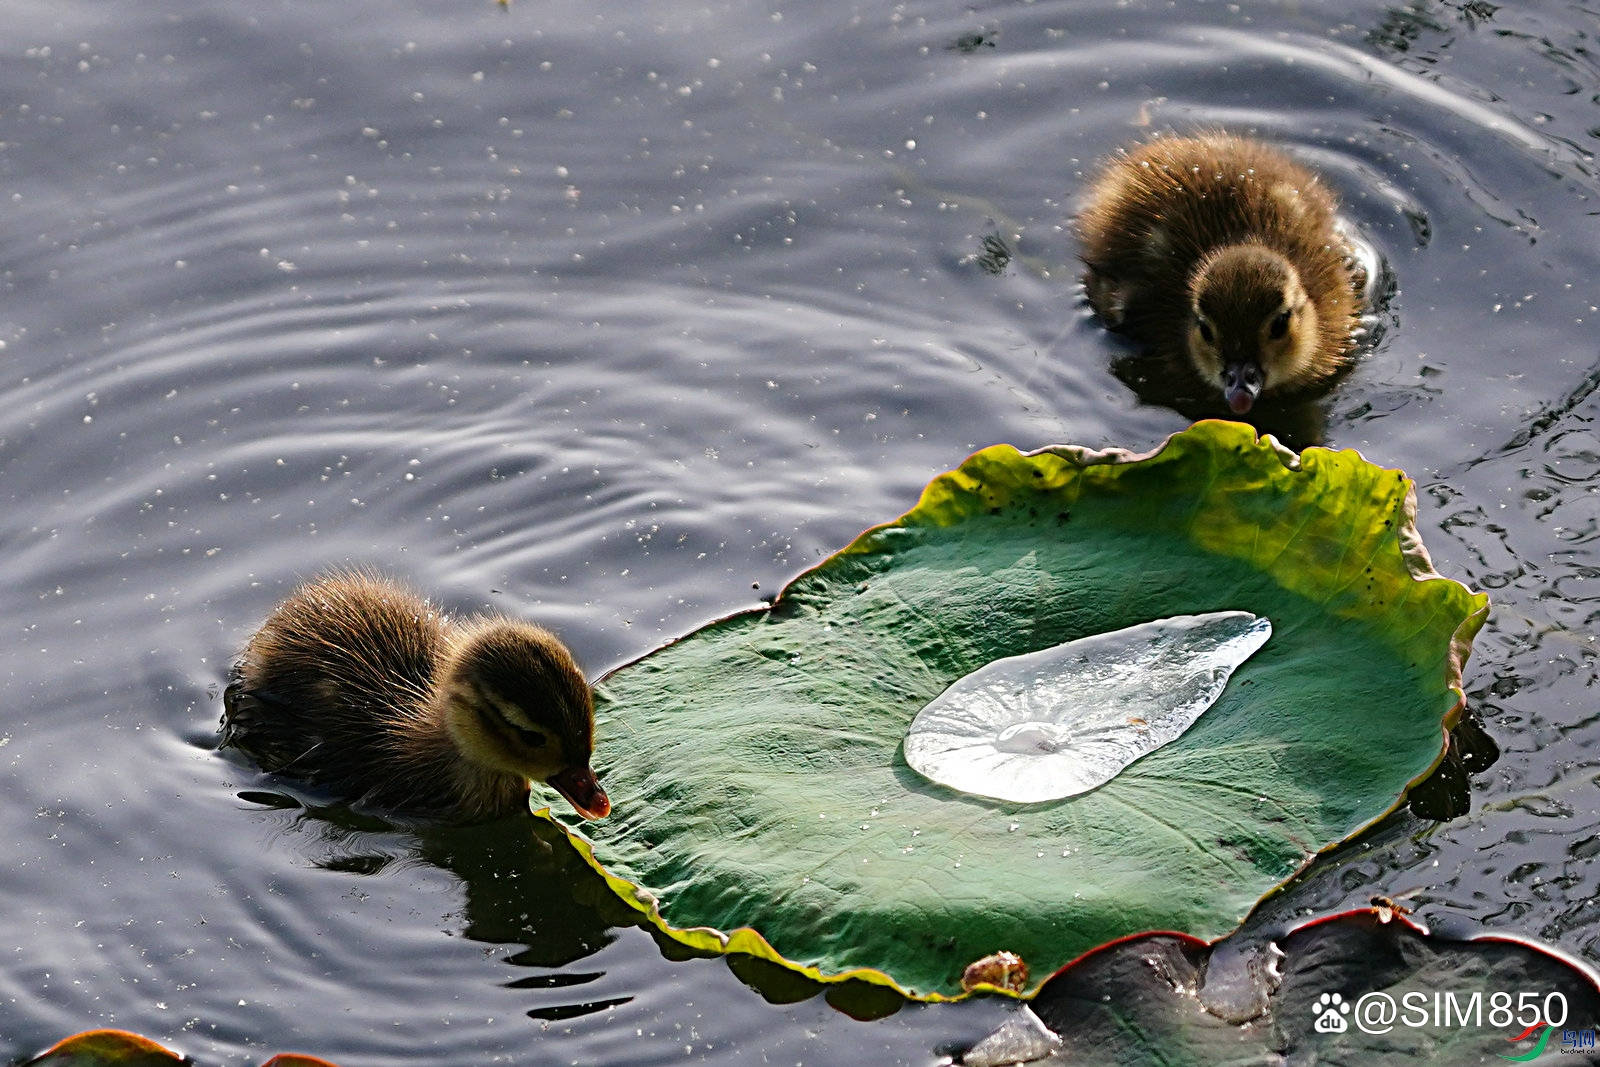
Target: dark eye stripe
[(507, 730), (531, 738)]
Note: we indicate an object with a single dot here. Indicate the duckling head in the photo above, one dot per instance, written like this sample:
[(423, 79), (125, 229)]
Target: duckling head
[(515, 702), (1253, 324)]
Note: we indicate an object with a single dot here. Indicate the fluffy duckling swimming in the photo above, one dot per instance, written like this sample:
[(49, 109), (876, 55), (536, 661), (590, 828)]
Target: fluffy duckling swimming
[(358, 684), (1222, 256)]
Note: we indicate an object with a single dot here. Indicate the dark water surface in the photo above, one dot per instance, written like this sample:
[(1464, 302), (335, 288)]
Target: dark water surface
[(606, 315)]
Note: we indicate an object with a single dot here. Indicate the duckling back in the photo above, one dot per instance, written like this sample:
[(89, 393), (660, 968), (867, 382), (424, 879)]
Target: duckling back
[(329, 678)]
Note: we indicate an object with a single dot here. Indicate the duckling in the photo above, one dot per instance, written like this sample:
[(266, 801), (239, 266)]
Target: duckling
[(1223, 257), (356, 683)]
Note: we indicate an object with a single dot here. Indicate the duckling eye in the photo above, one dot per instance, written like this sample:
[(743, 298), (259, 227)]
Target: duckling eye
[(1207, 334), (1279, 325)]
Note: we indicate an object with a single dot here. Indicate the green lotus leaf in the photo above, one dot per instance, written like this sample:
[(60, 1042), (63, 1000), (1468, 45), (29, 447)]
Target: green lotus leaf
[(762, 803)]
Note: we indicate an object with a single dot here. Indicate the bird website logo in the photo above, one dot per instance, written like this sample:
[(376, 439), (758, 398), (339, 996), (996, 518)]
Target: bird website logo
[(1573, 1042)]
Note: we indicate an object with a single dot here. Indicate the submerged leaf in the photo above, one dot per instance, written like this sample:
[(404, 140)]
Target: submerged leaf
[(106, 1048), (763, 804), (1360, 987), (1058, 722), (120, 1048)]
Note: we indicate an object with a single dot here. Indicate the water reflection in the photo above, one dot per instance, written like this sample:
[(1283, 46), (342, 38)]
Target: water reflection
[(1447, 793), (1298, 423), (525, 887)]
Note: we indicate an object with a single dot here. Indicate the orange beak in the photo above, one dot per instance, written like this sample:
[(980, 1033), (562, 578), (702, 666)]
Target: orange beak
[(583, 791)]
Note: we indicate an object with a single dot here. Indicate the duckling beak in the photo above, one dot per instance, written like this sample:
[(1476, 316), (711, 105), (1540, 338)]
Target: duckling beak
[(1241, 383), (583, 791)]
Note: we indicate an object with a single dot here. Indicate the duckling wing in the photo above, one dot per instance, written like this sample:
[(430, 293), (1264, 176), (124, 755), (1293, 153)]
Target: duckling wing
[(268, 728)]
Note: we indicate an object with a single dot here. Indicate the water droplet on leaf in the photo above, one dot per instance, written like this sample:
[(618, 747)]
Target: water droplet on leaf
[(1064, 720)]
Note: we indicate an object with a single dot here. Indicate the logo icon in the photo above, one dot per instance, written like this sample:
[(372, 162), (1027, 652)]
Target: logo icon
[(1533, 1053), (1330, 1010)]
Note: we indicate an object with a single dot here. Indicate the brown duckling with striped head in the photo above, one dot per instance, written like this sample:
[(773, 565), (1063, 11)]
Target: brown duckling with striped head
[(1222, 256), (357, 684)]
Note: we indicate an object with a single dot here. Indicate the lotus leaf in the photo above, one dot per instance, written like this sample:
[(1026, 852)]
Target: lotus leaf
[(763, 804), (105, 1048), (120, 1048)]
